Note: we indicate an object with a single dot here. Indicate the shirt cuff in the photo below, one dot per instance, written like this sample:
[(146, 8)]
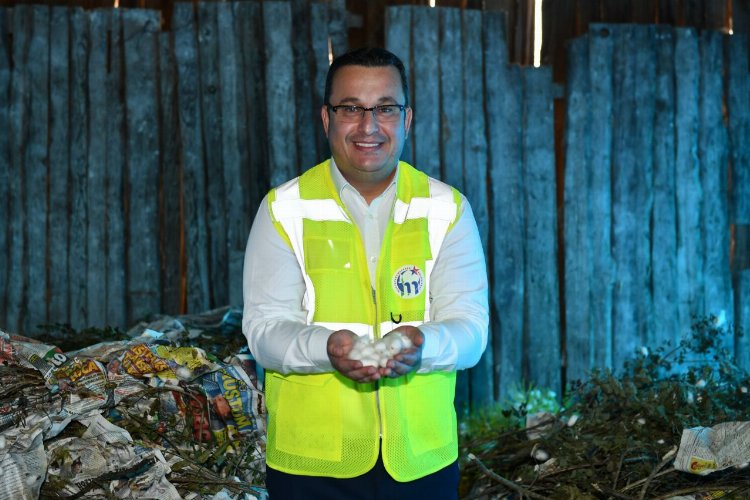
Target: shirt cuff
[(319, 349)]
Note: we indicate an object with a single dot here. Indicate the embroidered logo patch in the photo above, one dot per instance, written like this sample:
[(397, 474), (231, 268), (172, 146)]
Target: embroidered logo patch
[(408, 282)]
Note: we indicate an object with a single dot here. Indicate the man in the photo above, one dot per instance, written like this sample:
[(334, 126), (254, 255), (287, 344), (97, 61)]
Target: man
[(358, 247)]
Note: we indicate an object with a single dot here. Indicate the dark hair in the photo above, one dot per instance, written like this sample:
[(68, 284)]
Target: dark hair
[(369, 57)]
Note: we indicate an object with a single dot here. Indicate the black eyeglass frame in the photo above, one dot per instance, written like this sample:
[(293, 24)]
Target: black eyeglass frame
[(363, 110)]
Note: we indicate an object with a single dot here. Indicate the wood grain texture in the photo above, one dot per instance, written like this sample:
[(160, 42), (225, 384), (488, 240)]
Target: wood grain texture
[(577, 218), (140, 28), (279, 71), (601, 49), (645, 71), (5, 154), (307, 110), (212, 121), (115, 161), (738, 104), (504, 139), (542, 326), (506, 258), (664, 235), (627, 193), (475, 169), (714, 173), (255, 171), (689, 193), (170, 179), (426, 120), (398, 40), (96, 251), (79, 132), (234, 153), (194, 194), (59, 166), (451, 118), (319, 54), (18, 117), (36, 170)]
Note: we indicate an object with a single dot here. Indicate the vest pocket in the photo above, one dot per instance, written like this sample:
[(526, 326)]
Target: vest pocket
[(308, 417), (430, 415)]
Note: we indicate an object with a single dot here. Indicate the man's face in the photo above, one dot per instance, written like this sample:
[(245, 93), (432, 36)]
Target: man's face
[(366, 150)]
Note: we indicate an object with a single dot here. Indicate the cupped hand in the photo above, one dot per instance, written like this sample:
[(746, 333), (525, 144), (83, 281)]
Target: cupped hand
[(409, 359), (340, 343)]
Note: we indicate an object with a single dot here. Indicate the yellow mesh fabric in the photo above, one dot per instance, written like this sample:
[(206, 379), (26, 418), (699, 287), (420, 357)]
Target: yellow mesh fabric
[(327, 425)]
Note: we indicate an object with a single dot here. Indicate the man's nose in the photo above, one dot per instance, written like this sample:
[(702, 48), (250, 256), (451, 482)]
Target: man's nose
[(369, 123)]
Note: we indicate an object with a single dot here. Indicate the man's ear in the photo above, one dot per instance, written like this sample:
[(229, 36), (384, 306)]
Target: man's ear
[(324, 116), (407, 121)]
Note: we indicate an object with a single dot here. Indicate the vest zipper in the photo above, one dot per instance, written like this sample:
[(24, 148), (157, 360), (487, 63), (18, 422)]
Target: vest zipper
[(376, 326)]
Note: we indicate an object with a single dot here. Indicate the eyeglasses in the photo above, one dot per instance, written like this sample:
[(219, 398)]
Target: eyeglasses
[(385, 113)]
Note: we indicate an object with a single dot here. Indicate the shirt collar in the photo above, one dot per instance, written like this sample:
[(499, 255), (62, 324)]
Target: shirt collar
[(342, 184)]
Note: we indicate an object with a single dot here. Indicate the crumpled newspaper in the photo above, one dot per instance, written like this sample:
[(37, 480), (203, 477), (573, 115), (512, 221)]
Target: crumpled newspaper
[(44, 390), (704, 450)]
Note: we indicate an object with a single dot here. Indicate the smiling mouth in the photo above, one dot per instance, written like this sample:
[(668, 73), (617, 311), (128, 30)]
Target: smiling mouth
[(367, 144)]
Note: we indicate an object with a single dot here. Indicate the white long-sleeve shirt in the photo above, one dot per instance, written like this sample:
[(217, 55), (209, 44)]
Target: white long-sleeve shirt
[(274, 319)]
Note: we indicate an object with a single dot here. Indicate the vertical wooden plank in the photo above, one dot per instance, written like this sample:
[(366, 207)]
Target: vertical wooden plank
[(194, 193), (625, 178), (542, 293), (319, 47), (601, 48), (211, 88), (504, 91), (5, 156), (140, 28), (36, 170), (474, 139), (644, 94), (115, 160), (251, 41), (18, 114), (398, 41), (742, 317), (664, 249), (59, 167), (96, 181), (713, 154), (277, 20), (578, 259), (425, 125), (475, 168), (337, 26), (738, 104), (79, 131), (234, 156), (451, 87), (307, 111), (451, 134), (170, 175), (689, 191)]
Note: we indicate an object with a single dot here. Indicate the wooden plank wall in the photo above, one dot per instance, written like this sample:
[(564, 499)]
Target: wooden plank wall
[(670, 206), (136, 194), (135, 158), (494, 141), (564, 20)]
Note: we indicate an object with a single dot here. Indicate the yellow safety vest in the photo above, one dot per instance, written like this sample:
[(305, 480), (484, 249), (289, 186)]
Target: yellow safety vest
[(326, 424)]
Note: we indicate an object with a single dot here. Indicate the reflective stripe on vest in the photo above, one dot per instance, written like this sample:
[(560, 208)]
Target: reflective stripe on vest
[(325, 424)]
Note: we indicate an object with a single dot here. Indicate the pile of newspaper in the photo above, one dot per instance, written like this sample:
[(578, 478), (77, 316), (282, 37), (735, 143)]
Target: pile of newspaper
[(138, 418)]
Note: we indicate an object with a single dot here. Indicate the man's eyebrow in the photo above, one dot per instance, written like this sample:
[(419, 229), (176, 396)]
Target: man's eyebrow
[(357, 101)]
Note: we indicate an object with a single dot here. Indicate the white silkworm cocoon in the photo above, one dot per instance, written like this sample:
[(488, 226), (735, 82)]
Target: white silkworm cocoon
[(379, 352)]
